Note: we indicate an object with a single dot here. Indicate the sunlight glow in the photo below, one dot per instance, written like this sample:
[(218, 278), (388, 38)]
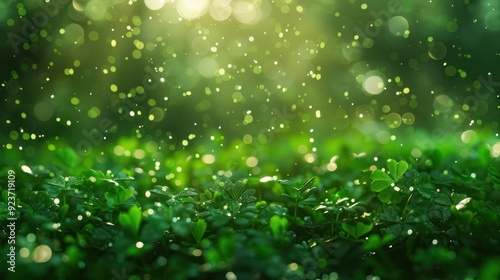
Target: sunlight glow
[(154, 4), (220, 9), (191, 9)]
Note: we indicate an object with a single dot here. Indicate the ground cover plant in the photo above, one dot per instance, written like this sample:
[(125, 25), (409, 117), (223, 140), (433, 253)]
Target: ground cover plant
[(387, 218), (249, 139)]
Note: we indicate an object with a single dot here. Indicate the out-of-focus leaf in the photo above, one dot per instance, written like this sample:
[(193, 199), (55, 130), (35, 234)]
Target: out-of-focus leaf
[(131, 220), (286, 183), (494, 177), (389, 214), (162, 190), (198, 230), (457, 197), (375, 242), (358, 229), (121, 176), (278, 225), (307, 183)]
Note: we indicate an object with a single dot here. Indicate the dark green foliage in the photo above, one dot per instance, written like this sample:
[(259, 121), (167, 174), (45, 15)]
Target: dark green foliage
[(40, 203), (394, 222), (171, 198)]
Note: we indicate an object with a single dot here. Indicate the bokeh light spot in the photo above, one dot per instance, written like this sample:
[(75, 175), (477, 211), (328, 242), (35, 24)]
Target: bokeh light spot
[(398, 25), (373, 85), (154, 4), (43, 111), (41, 254), (96, 9), (191, 9)]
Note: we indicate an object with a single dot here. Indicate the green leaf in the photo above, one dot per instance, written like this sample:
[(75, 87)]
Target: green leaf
[(73, 181), (358, 229), (375, 242), (57, 181), (389, 214), (125, 194), (442, 199), (494, 177), (385, 195), (98, 174), (457, 197), (63, 211), (427, 190), (162, 190), (286, 183), (122, 176), (131, 220), (236, 191), (380, 181), (247, 196), (396, 197), (493, 206), (308, 192), (278, 225), (187, 192), (174, 199), (226, 245), (397, 169), (307, 183), (206, 195), (289, 197), (40, 203), (440, 218), (118, 196), (198, 230), (233, 190), (217, 219), (68, 156)]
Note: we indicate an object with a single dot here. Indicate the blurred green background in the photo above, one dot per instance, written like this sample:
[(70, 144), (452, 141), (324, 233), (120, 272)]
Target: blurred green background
[(187, 93), (173, 89)]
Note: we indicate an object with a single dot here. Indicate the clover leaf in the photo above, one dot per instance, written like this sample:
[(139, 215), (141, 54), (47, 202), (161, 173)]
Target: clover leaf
[(381, 181)]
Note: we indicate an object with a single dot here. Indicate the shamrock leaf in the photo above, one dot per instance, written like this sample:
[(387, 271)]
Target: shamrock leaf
[(278, 225), (172, 198), (198, 230), (358, 229), (381, 181), (236, 191), (131, 220), (40, 203)]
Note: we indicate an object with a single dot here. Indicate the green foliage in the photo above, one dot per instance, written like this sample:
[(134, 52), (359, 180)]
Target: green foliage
[(318, 226), (278, 225), (236, 191), (357, 229), (39, 203), (494, 177), (198, 230), (173, 199), (388, 185), (131, 220), (64, 183)]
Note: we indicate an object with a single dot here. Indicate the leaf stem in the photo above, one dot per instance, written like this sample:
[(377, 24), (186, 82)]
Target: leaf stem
[(406, 204), (333, 225)]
